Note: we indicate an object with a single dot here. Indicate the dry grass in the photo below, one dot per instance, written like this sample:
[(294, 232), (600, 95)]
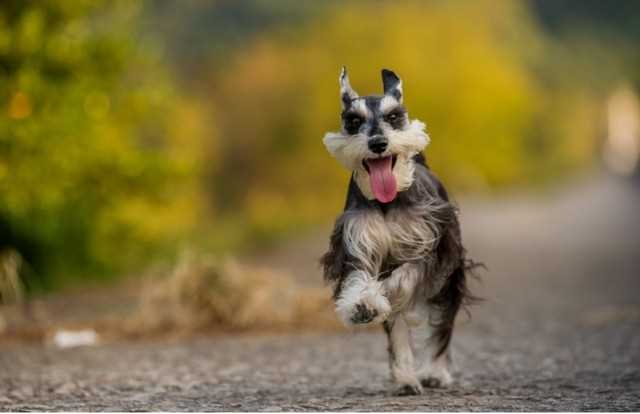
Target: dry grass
[(201, 292), (11, 289)]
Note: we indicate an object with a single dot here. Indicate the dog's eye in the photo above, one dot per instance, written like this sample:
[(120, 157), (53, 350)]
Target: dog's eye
[(356, 121), (392, 117), (352, 124), (395, 119)]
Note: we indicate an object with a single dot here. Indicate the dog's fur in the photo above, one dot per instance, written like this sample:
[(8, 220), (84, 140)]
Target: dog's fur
[(400, 263)]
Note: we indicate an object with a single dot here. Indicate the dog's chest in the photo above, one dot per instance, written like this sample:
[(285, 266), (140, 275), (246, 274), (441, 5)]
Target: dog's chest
[(411, 235), (399, 236)]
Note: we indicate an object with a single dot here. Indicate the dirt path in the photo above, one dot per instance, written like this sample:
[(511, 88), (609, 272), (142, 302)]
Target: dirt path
[(560, 330)]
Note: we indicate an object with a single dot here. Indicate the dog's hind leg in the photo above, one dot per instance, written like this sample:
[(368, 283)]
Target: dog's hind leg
[(401, 357), (434, 370), (438, 330)]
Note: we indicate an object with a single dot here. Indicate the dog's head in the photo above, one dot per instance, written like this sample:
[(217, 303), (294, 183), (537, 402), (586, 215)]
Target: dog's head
[(377, 141)]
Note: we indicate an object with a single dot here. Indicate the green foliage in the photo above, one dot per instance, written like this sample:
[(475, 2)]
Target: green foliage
[(94, 173), (105, 164), (498, 112)]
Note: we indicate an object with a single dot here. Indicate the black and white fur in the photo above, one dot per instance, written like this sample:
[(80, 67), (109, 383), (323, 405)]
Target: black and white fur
[(399, 263)]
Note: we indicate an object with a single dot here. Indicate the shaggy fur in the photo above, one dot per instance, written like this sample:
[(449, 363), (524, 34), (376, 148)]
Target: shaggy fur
[(399, 263)]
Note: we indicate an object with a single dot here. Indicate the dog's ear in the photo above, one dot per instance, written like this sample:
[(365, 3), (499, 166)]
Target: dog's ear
[(392, 84), (347, 94)]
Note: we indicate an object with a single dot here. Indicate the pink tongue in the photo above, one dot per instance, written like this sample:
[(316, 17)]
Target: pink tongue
[(383, 182)]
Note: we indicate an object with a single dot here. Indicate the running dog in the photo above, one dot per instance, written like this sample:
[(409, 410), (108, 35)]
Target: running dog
[(395, 255)]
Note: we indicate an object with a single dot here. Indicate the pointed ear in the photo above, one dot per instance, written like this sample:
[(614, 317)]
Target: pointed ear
[(392, 84), (347, 94)]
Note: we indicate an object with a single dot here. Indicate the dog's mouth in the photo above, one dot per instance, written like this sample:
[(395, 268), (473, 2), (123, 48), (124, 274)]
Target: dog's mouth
[(365, 162), (383, 182)]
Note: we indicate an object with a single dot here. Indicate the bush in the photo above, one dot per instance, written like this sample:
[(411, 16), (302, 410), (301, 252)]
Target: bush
[(497, 111), (97, 163)]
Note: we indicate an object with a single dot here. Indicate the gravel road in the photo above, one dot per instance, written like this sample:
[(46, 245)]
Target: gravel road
[(559, 330)]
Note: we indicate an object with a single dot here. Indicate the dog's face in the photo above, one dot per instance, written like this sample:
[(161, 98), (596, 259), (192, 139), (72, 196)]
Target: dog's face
[(377, 141)]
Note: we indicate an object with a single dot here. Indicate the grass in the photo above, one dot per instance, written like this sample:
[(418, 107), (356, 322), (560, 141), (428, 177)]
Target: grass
[(202, 292), (198, 293)]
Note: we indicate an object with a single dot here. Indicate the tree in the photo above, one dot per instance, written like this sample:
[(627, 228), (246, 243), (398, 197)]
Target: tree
[(97, 163)]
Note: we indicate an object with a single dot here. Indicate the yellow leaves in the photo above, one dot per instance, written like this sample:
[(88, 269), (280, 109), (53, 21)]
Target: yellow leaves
[(152, 221), (19, 106), (467, 70), (100, 160), (191, 136), (104, 130), (97, 104), (28, 37), (456, 79)]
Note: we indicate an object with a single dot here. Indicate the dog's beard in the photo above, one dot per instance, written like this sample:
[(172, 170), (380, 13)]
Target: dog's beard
[(352, 152)]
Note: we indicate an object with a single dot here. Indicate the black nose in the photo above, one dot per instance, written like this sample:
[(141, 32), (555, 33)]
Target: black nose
[(378, 144)]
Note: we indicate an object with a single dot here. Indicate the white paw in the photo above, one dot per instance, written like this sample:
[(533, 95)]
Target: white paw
[(436, 378), (362, 300), (408, 388), (406, 382)]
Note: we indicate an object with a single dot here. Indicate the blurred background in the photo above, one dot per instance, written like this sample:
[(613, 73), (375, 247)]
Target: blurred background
[(168, 152)]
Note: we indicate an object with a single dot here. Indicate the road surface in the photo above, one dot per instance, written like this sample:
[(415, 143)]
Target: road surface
[(559, 330)]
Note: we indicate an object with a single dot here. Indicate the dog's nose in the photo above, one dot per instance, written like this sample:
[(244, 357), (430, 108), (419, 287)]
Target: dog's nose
[(378, 144)]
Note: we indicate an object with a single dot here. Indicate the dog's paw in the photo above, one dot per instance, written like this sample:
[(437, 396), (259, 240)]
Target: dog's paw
[(440, 378), (408, 389), (432, 382), (372, 308), (363, 314), (362, 302)]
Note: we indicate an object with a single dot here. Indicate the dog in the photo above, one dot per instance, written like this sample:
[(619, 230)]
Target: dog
[(395, 255)]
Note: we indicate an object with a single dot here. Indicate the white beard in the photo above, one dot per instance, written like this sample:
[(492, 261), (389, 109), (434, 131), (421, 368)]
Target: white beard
[(350, 151)]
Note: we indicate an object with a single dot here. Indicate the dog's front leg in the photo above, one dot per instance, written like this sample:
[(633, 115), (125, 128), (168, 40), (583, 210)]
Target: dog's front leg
[(361, 300), (400, 286), (359, 295)]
